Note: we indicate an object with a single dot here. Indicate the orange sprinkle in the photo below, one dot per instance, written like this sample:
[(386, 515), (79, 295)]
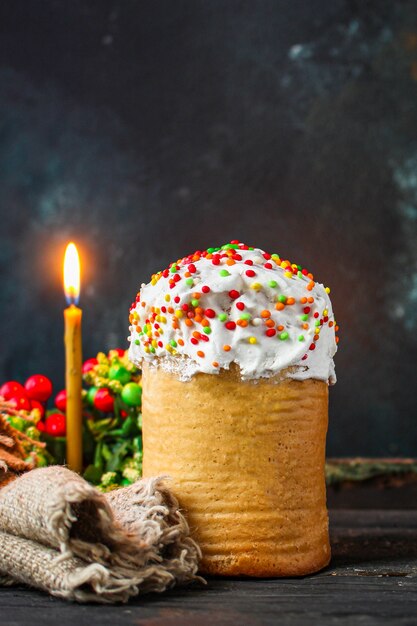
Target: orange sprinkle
[(270, 323), (175, 325), (336, 328), (198, 310), (200, 353), (196, 257), (315, 337), (139, 329), (337, 339), (280, 327), (290, 301), (198, 319), (243, 323), (170, 309), (209, 256), (303, 300), (230, 262), (143, 304), (215, 364), (180, 342), (188, 322), (226, 348), (310, 299), (205, 322), (330, 324), (306, 326), (187, 274), (196, 295), (265, 313), (310, 276), (279, 306), (196, 334)]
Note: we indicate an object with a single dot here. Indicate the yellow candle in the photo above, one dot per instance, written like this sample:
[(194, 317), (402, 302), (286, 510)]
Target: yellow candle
[(73, 359)]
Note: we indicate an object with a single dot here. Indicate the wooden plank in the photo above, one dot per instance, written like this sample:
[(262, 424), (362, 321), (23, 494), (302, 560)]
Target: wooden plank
[(372, 580)]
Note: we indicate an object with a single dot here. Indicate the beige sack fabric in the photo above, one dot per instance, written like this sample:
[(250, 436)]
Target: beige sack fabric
[(59, 534)]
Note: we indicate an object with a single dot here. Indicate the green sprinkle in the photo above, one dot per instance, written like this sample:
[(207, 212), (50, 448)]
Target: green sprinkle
[(194, 302), (245, 316), (299, 274), (223, 317), (299, 267), (207, 330), (275, 256), (317, 323), (224, 273), (173, 343), (137, 342), (211, 250), (152, 349), (145, 329), (301, 338), (282, 299), (189, 281), (283, 335), (251, 248), (173, 269), (304, 317), (273, 283)]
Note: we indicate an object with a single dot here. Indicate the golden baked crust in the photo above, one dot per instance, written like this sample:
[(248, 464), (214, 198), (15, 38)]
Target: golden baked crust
[(247, 465)]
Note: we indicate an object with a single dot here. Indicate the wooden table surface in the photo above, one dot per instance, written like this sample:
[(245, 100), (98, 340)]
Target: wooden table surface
[(372, 580)]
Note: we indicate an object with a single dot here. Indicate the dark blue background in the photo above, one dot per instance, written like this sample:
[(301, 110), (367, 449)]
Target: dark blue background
[(145, 130)]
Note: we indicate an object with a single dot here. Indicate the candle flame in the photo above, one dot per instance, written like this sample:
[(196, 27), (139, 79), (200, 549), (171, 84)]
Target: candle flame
[(72, 274)]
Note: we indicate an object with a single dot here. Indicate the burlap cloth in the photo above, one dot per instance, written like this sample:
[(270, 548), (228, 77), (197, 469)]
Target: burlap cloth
[(61, 535)]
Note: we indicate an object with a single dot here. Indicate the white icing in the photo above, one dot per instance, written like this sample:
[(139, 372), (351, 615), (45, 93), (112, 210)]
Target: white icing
[(269, 355)]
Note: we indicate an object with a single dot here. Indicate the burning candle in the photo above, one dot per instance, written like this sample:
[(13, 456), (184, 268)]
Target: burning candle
[(73, 358)]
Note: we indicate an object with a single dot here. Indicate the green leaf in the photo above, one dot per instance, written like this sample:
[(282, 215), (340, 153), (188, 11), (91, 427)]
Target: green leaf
[(93, 474)]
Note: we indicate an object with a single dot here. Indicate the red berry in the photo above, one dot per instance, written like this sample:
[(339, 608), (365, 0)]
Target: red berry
[(35, 404), (38, 387), (55, 425), (230, 325), (20, 402), (61, 401), (103, 400), (10, 389), (234, 294), (209, 313), (250, 273), (40, 426), (88, 365)]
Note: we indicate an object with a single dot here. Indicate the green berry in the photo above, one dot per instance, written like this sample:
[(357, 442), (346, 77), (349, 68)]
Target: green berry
[(120, 373), (91, 395), (132, 394)]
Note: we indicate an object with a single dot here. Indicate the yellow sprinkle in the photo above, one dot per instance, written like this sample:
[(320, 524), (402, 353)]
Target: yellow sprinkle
[(256, 286), (252, 339), (179, 313), (168, 348), (154, 343), (147, 349), (153, 281), (325, 312), (288, 274), (157, 311), (161, 332), (158, 318), (167, 298), (135, 315), (149, 333), (163, 319), (327, 289)]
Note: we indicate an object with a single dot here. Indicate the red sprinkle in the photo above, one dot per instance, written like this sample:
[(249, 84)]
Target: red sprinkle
[(216, 259), (250, 273), (160, 344), (230, 325), (163, 309), (185, 307), (271, 332), (312, 346), (234, 294), (240, 306), (209, 313), (307, 309), (194, 341), (268, 266), (249, 262), (205, 289), (192, 268), (316, 314), (266, 256), (177, 299)]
